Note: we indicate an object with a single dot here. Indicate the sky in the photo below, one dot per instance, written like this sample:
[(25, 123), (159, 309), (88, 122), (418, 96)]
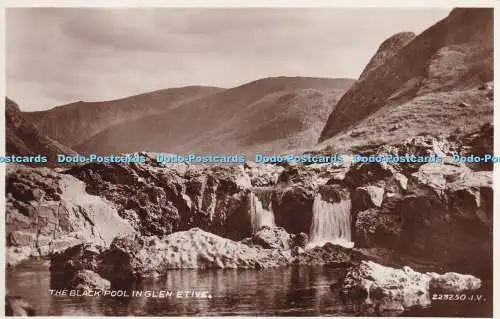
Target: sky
[(56, 56)]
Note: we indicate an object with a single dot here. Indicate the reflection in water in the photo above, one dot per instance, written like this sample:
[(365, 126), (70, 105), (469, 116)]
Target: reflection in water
[(291, 291), (284, 291)]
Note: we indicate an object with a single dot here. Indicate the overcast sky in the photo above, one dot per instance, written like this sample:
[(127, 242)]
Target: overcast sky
[(57, 56)]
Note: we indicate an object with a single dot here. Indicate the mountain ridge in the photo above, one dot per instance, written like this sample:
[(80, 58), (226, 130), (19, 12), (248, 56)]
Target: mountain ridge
[(223, 121), (72, 123)]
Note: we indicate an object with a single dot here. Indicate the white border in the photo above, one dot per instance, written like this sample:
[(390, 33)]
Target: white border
[(248, 4), (253, 3)]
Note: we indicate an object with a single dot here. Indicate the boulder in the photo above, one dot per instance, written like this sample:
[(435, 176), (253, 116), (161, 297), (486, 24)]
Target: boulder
[(453, 283), (89, 280), (271, 238), (16, 255), (444, 214), (390, 289)]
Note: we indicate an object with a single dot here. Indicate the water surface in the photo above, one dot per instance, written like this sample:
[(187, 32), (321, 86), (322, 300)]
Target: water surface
[(291, 291)]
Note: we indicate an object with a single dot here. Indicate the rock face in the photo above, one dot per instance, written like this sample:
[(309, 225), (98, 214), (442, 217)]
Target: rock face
[(450, 209), (48, 212), (434, 73), (77, 122), (158, 200), (409, 207), (389, 289), (25, 139)]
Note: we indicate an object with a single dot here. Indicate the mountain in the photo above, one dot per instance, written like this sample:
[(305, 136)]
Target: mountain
[(437, 82), (387, 50), (23, 138), (271, 114), (73, 123)]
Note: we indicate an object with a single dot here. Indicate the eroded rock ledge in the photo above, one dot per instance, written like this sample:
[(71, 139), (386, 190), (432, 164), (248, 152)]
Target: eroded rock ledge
[(135, 257), (390, 289)]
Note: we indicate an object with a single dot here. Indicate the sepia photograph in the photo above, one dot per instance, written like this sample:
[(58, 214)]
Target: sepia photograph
[(249, 161)]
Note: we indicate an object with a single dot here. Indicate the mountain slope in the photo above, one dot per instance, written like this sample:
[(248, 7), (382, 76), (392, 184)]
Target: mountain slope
[(274, 114), (73, 123), (387, 50), (434, 79), (23, 138)]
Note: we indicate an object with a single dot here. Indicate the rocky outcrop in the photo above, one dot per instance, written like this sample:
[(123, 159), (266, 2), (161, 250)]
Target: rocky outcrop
[(450, 209), (133, 257), (159, 200), (48, 212), (390, 289), (24, 139), (444, 205)]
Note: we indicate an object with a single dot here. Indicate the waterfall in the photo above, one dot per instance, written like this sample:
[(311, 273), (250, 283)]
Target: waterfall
[(331, 223), (260, 216)]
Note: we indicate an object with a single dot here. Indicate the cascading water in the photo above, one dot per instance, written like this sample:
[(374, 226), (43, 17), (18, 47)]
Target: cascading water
[(331, 223), (260, 216)]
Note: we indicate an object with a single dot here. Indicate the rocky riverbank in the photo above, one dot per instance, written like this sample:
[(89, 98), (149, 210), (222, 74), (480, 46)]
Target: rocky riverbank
[(403, 207), (133, 258), (123, 222)]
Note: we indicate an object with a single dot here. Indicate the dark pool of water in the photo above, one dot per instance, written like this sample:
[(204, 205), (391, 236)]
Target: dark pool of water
[(300, 291)]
